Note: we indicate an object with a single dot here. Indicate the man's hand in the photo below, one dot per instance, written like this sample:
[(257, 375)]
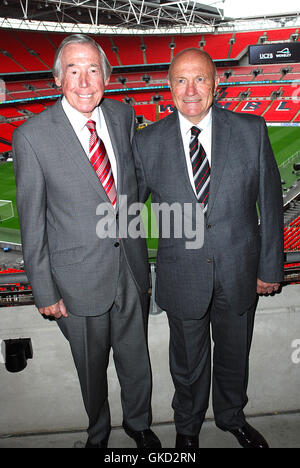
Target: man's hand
[(57, 310), (267, 288)]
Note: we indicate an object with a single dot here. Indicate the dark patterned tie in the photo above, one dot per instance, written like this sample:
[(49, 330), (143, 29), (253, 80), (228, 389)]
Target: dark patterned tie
[(201, 168)]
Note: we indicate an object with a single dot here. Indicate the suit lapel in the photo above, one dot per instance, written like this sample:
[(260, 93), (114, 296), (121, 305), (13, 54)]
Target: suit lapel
[(67, 139), (174, 140), (115, 132), (220, 144)]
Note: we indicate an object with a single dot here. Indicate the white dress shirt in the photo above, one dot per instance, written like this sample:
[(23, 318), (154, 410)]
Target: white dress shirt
[(79, 121), (205, 138)]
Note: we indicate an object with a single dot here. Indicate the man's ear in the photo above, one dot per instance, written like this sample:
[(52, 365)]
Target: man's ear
[(217, 81), (57, 81)]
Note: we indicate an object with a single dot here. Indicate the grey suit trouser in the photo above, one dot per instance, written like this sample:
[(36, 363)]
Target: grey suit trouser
[(190, 363), (124, 329)]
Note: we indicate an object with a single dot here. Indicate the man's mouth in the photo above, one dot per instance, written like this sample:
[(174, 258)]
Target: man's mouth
[(85, 96), (193, 101)]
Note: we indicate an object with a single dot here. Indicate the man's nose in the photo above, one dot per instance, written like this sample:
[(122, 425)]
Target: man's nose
[(83, 80), (191, 89)]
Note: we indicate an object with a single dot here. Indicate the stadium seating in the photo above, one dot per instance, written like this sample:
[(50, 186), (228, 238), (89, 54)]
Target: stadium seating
[(297, 119), (19, 53), (243, 40), (6, 131), (218, 45), (148, 111), (292, 235), (229, 105), (252, 107), (282, 111), (4, 148), (40, 44), (106, 44), (158, 49), (34, 51), (9, 112)]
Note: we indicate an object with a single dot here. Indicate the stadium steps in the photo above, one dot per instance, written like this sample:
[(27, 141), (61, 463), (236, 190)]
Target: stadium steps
[(231, 43), (144, 49), (5, 56), (296, 116), (115, 49), (292, 213), (269, 107)]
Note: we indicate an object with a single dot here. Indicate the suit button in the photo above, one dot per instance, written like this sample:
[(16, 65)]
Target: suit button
[(208, 226), (209, 260), (117, 244)]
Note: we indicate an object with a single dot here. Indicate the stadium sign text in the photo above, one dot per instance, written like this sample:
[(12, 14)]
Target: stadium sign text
[(274, 53)]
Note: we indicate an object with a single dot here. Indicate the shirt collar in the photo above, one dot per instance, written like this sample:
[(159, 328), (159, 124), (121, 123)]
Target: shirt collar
[(77, 120), (186, 125)]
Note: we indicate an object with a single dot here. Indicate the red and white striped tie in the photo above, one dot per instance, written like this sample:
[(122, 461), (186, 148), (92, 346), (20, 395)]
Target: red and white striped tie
[(101, 164)]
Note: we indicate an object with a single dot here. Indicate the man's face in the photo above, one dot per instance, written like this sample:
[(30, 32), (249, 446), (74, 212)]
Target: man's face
[(193, 84), (82, 77)]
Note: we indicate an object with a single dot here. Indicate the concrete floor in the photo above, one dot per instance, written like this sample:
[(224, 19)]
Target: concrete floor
[(41, 407), (281, 431)]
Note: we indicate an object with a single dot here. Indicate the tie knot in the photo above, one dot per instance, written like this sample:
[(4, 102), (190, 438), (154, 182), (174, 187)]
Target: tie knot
[(91, 125), (195, 131)]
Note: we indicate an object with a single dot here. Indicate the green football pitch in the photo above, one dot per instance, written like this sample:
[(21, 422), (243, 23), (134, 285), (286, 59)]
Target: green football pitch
[(286, 145), (285, 142)]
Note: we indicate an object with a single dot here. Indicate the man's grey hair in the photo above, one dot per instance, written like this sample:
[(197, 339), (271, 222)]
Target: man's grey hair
[(80, 39)]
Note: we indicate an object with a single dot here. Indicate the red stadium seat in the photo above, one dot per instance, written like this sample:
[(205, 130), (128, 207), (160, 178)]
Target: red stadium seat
[(282, 111), (4, 148)]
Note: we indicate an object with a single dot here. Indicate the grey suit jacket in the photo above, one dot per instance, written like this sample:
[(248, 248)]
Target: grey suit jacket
[(243, 173), (58, 193)]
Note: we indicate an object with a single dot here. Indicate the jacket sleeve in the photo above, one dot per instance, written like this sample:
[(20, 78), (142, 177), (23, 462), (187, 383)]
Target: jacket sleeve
[(144, 190), (31, 204), (270, 202)]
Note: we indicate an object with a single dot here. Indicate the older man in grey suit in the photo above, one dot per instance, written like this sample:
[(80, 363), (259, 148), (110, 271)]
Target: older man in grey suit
[(69, 160), (224, 161)]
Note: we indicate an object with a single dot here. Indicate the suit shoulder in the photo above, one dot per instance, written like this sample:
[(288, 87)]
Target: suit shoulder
[(34, 123), (156, 128), (117, 106), (237, 117)]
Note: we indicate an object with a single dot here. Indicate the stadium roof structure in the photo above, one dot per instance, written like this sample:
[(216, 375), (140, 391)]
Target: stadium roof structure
[(130, 16), (121, 13)]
